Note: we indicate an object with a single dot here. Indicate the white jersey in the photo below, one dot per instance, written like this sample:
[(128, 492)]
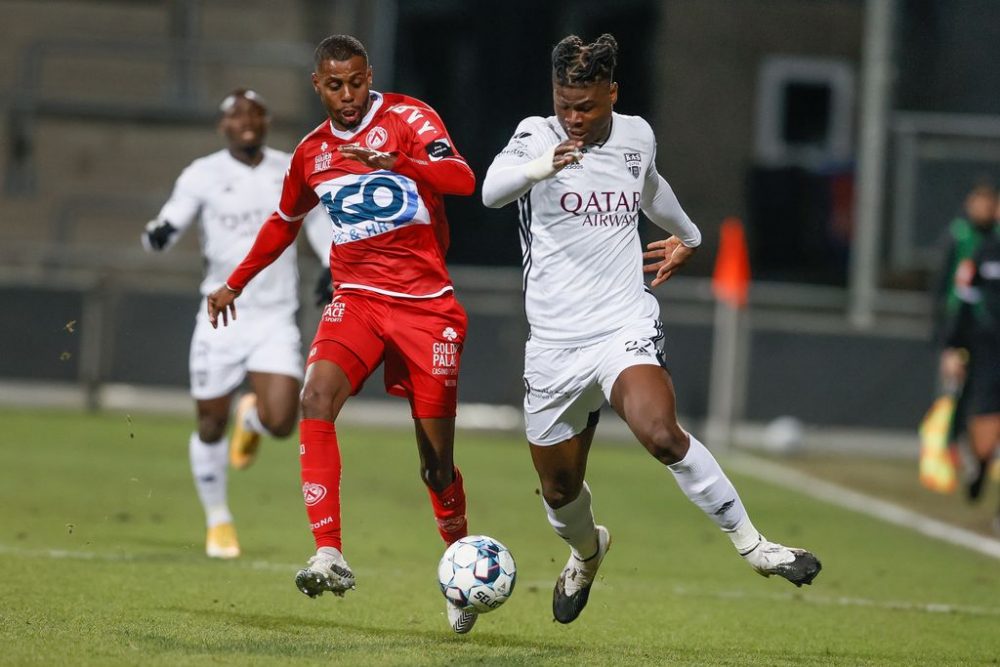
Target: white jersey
[(232, 200), (581, 252)]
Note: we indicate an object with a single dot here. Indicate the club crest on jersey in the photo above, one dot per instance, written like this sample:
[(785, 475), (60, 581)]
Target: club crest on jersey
[(376, 138), (633, 163)]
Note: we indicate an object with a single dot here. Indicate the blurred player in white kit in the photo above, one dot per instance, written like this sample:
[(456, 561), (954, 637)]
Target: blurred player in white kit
[(230, 193)]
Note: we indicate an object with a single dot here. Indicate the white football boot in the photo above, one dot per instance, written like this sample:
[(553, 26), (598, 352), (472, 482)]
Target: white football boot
[(460, 620), (327, 571), (573, 586), (797, 565)]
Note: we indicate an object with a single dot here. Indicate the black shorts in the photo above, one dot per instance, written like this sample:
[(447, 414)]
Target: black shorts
[(983, 387)]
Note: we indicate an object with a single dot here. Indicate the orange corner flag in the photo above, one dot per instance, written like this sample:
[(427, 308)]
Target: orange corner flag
[(731, 279)]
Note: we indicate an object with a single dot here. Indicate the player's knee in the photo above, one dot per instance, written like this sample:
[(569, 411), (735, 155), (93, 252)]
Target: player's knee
[(317, 402), (561, 493), (211, 429), (280, 428), (666, 441)]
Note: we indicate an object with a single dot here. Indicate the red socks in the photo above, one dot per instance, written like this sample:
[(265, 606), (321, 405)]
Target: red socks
[(449, 510), (319, 459)]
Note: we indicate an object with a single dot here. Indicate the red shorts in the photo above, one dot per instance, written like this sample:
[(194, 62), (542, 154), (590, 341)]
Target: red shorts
[(419, 340)]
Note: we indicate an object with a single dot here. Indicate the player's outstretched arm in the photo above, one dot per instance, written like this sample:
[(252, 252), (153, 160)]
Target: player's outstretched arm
[(222, 302), (504, 183), (274, 236), (447, 176), (665, 257)]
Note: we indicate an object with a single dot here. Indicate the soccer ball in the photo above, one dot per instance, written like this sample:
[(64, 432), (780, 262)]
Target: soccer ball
[(477, 572)]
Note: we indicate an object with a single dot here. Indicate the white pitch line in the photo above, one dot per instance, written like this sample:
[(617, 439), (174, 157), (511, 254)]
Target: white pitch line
[(125, 557), (844, 601), (865, 504)]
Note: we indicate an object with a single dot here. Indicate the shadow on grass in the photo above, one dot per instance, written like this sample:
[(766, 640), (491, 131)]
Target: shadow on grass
[(276, 634), (288, 636)]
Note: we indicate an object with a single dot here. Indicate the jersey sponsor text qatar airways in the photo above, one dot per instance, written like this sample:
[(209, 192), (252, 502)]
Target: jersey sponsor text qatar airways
[(581, 251)]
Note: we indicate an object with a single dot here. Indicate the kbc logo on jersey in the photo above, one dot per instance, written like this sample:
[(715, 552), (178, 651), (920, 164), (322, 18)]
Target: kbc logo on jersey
[(365, 205)]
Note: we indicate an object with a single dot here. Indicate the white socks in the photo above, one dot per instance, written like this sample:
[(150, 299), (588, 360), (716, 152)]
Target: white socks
[(575, 524), (209, 463), (702, 480)]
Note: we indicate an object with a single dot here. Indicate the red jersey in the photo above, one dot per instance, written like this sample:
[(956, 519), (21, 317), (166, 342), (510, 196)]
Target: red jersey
[(390, 229)]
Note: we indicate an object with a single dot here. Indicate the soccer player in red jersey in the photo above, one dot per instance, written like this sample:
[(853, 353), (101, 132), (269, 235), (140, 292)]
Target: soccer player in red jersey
[(380, 165)]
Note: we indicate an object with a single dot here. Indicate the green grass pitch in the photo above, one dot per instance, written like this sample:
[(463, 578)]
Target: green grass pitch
[(102, 563)]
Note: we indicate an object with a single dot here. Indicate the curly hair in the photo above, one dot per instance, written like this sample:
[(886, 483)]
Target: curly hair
[(340, 48), (577, 64)]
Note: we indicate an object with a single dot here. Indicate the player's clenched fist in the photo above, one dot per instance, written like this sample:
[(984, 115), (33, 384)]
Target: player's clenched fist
[(567, 153), (222, 302)]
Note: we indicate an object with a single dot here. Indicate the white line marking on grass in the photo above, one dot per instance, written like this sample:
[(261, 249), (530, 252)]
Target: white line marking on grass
[(843, 601), (865, 504), (123, 556)]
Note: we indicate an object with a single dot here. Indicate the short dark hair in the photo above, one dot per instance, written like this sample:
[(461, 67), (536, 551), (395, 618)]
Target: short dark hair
[(577, 64), (339, 47)]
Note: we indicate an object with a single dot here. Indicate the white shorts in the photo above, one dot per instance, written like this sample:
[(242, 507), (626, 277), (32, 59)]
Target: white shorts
[(256, 341), (564, 385)]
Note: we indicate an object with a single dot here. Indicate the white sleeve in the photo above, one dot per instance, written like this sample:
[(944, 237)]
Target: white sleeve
[(524, 161), (660, 205), (185, 201), (181, 209), (319, 232)]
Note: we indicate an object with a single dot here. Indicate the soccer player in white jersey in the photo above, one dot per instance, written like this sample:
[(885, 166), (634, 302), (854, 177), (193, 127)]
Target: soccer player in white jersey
[(230, 193), (580, 179)]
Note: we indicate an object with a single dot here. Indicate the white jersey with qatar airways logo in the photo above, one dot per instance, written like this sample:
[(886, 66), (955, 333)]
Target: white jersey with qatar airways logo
[(231, 200), (582, 256)]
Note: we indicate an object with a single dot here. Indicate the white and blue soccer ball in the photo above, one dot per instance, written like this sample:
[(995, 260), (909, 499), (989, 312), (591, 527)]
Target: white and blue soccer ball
[(477, 572)]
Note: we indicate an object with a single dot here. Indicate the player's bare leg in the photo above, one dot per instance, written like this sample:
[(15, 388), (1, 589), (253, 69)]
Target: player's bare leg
[(270, 409), (436, 446), (561, 469), (984, 434), (324, 394), (644, 397), (208, 454)]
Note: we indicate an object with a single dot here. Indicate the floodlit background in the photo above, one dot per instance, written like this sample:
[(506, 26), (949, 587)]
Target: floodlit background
[(769, 110), (843, 134)]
